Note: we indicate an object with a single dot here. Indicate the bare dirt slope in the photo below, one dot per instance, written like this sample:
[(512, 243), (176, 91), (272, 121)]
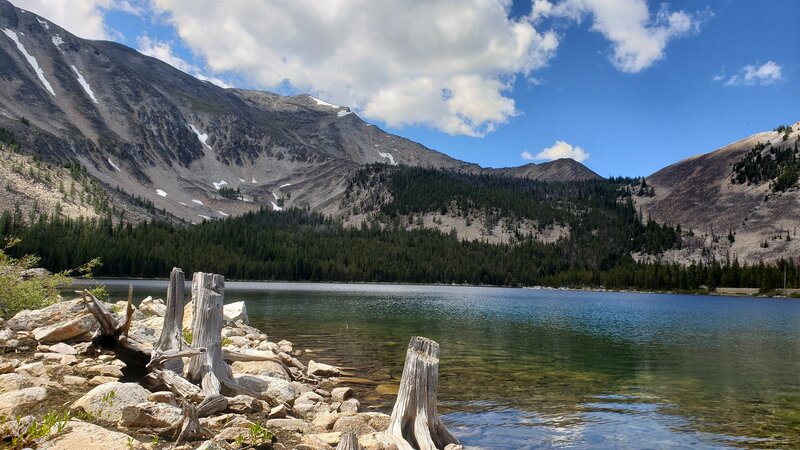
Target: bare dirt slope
[(698, 193)]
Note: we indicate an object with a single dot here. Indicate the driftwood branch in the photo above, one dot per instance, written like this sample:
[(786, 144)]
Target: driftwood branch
[(188, 427), (110, 337)]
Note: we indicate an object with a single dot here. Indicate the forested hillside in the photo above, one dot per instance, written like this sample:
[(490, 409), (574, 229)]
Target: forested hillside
[(297, 245)]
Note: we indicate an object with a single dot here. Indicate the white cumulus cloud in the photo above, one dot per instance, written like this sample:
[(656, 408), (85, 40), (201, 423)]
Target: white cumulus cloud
[(751, 75), (83, 18), (558, 150), (638, 37), (446, 64)]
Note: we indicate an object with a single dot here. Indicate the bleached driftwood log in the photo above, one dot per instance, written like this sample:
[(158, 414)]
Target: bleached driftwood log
[(415, 421), (348, 441), (209, 369), (171, 339), (188, 427)]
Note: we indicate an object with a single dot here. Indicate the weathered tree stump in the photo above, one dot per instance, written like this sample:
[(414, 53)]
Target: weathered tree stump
[(348, 441), (209, 369), (415, 421), (171, 339)]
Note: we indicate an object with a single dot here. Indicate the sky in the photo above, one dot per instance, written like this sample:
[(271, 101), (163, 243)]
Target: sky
[(624, 86)]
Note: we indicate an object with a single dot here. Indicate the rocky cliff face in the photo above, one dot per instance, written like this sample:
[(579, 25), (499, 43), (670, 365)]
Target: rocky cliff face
[(714, 198), (158, 134)]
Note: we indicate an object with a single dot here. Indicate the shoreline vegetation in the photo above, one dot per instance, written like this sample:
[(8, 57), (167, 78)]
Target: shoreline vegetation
[(71, 375)]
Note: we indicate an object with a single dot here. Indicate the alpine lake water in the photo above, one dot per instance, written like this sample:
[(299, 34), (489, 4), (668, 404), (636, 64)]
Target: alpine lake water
[(525, 368)]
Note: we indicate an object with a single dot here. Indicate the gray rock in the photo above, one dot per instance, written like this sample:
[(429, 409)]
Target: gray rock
[(350, 405), (87, 436), (278, 412), (357, 423), (341, 394), (275, 388), (22, 401), (71, 328), (267, 368), (151, 308), (35, 369), (28, 320), (150, 415), (163, 397), (63, 348), (322, 370), (37, 272), (244, 404), (297, 425), (234, 312), (106, 401)]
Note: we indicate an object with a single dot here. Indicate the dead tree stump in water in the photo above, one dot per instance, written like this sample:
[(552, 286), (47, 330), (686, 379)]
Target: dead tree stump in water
[(171, 338), (209, 368), (415, 421)]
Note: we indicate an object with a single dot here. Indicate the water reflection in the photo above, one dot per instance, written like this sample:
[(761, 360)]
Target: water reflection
[(533, 369)]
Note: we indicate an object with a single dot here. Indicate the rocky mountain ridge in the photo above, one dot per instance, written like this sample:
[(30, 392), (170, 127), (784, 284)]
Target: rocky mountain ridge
[(152, 132)]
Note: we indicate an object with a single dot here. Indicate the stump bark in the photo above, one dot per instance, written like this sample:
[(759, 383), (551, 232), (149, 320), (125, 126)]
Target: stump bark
[(348, 441), (171, 338), (209, 368), (415, 421)]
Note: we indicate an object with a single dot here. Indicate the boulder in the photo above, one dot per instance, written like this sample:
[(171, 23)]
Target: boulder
[(34, 370), (234, 312), (297, 425), (87, 436), (209, 445), (59, 312), (244, 404), (275, 388), (8, 366), (163, 397), (74, 381), (70, 328), (240, 341), (36, 272), (22, 401), (64, 349), (341, 394), (322, 370), (106, 401), (13, 382), (268, 368), (378, 421), (357, 423), (328, 438), (350, 405), (153, 308), (278, 412), (150, 415), (285, 346)]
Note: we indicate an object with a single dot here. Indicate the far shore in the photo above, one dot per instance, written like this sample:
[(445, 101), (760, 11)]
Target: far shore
[(720, 291)]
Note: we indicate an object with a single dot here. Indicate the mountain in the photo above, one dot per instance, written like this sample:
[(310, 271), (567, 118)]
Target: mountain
[(741, 201), (165, 143)]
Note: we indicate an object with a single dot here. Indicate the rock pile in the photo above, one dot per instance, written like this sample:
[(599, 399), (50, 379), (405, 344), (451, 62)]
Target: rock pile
[(45, 372)]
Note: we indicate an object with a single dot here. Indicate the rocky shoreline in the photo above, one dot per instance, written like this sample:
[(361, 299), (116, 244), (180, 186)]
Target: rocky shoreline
[(53, 395)]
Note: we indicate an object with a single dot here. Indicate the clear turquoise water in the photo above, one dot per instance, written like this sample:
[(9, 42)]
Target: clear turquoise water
[(527, 369)]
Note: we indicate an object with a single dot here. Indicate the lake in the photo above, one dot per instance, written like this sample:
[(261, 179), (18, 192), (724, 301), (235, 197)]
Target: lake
[(524, 368)]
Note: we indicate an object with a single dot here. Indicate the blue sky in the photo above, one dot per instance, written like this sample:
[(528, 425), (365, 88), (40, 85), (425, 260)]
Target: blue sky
[(636, 84)]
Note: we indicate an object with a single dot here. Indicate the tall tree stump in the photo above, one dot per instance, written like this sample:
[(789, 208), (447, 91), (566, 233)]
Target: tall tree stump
[(415, 421), (208, 368), (171, 338)]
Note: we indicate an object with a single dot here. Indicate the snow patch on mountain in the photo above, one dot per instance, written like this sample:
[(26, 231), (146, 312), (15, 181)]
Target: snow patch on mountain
[(31, 60), (202, 137), (114, 165), (323, 102), (161, 193), (85, 85), (219, 185), (275, 207), (57, 41), (389, 157)]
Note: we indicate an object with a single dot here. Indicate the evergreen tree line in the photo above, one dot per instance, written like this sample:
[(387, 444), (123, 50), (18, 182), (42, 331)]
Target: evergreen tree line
[(296, 245)]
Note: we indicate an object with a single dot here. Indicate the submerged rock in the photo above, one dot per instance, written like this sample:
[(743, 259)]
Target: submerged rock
[(322, 370)]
